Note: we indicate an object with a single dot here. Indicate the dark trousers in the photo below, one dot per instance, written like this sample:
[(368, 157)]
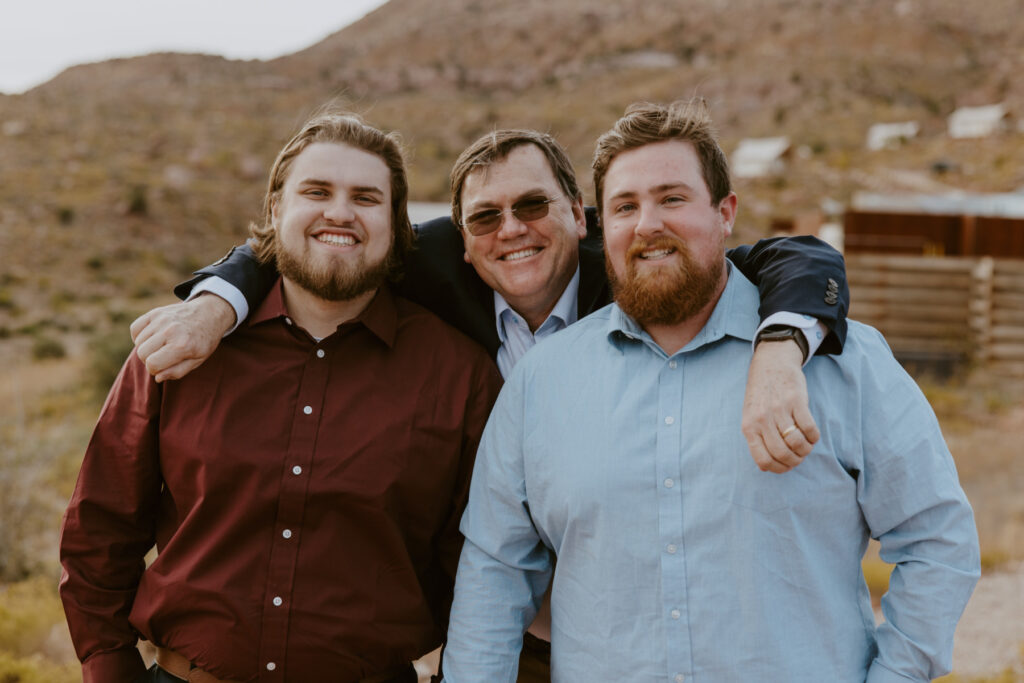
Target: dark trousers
[(534, 660), (157, 675)]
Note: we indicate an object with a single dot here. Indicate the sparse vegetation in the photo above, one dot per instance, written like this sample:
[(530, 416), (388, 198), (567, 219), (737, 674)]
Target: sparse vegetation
[(48, 347)]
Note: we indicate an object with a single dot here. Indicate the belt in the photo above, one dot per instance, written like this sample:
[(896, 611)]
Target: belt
[(178, 666)]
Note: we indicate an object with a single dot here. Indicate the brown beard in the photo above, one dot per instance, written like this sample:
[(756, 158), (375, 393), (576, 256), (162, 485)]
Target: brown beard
[(338, 281), (664, 296)]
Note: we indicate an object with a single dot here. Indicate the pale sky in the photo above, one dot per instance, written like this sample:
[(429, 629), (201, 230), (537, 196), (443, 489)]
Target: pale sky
[(40, 38)]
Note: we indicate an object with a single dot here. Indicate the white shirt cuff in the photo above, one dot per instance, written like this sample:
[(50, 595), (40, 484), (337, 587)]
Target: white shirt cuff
[(227, 291), (814, 330)]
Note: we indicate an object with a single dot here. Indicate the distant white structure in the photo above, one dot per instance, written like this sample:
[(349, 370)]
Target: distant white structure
[(978, 122), (1005, 205), (420, 212), (882, 135), (758, 157)]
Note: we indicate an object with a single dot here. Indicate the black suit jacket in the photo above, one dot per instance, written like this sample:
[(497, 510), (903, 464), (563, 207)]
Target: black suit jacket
[(798, 274)]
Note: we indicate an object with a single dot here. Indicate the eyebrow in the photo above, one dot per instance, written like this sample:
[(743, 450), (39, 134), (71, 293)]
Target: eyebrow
[(664, 187), (487, 205), (363, 189)]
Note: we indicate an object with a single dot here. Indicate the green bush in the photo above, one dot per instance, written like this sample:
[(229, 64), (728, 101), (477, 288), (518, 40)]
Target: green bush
[(48, 347), (108, 354)]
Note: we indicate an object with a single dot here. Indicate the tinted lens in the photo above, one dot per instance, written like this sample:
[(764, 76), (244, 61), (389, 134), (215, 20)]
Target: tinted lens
[(531, 209), (483, 222)]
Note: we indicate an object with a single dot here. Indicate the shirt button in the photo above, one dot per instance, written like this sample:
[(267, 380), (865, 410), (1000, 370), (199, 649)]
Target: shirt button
[(277, 602), (679, 678), (271, 666), (288, 321), (287, 533), (296, 470), (669, 483), (671, 548), (675, 614), (308, 410), (672, 364), (319, 353), (670, 420)]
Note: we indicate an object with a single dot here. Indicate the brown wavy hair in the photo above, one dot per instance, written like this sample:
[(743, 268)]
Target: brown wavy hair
[(346, 128), (497, 145), (645, 123)]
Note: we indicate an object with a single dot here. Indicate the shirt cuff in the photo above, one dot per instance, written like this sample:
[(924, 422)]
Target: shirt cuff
[(119, 665), (814, 330), (227, 291)]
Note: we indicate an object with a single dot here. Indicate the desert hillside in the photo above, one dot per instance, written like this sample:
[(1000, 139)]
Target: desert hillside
[(118, 178)]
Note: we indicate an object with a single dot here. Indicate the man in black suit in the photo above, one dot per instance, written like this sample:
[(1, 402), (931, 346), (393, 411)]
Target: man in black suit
[(522, 258)]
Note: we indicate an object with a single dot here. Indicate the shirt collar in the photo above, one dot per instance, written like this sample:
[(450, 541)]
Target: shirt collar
[(380, 317), (565, 308), (735, 315)]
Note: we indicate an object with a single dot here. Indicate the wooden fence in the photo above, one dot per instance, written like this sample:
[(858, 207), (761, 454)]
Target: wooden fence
[(959, 308)]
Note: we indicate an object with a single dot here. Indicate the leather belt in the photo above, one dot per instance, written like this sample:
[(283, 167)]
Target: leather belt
[(178, 666)]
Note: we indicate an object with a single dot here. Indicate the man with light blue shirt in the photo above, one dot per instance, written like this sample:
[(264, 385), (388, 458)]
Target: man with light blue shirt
[(614, 447)]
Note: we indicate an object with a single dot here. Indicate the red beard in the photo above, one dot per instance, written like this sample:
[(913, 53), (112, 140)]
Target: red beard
[(665, 295)]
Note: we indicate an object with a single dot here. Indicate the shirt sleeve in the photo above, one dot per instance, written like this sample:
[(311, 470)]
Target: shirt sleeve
[(504, 568), (486, 383), (800, 275), (227, 291), (109, 526), (241, 269), (911, 498), (814, 330)]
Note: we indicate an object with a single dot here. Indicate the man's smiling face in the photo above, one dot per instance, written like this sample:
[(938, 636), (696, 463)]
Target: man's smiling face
[(333, 221), (528, 263)]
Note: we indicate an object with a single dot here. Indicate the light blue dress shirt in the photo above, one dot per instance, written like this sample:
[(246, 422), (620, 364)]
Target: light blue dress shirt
[(679, 560), (514, 332)]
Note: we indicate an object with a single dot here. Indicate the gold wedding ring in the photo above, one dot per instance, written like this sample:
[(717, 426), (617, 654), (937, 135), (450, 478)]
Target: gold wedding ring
[(787, 430)]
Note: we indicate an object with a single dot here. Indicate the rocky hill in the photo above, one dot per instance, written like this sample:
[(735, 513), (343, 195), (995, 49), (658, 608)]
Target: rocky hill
[(118, 178)]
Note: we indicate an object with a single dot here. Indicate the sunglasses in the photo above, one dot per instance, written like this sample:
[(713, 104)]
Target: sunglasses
[(525, 210)]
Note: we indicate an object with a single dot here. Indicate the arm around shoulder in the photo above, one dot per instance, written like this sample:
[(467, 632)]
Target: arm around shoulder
[(800, 275), (241, 269)]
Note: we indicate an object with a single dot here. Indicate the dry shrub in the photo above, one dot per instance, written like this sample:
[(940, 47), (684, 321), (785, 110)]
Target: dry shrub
[(30, 611), (36, 669)]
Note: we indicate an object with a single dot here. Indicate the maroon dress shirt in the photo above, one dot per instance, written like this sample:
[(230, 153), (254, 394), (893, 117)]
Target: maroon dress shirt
[(304, 498)]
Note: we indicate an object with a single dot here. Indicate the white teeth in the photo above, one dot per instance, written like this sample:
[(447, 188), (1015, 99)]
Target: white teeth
[(337, 240), (656, 253), (522, 253)]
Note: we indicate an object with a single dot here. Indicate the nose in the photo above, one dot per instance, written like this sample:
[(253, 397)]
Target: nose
[(649, 221), (511, 227), (339, 210)]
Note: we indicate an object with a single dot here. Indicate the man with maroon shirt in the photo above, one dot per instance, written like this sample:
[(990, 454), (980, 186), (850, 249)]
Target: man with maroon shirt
[(304, 486)]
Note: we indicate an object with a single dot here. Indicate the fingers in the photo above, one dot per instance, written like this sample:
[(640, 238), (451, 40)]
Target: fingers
[(804, 421), (161, 357), (763, 459), (178, 370), (140, 325), (780, 449)]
